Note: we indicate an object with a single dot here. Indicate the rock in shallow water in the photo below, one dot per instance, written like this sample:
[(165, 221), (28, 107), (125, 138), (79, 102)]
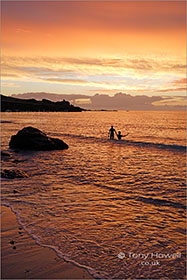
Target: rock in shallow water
[(31, 138)]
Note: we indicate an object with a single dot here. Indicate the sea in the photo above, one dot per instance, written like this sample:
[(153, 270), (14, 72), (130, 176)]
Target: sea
[(113, 207)]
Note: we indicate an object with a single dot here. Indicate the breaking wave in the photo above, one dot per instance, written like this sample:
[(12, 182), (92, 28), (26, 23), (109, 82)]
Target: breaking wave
[(126, 142)]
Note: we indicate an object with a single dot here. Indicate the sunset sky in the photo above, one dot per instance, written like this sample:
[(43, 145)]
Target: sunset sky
[(88, 47)]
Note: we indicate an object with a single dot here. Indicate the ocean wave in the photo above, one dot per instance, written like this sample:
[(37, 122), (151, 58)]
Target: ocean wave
[(161, 202), (150, 200), (158, 145), (175, 147), (95, 273)]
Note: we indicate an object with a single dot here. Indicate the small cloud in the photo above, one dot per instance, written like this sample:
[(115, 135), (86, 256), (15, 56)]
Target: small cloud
[(171, 101), (174, 67), (83, 101), (11, 85), (109, 91), (21, 30), (67, 81), (76, 82), (180, 81), (171, 89), (9, 75)]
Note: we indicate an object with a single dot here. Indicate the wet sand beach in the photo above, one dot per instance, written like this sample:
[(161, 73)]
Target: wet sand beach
[(22, 258)]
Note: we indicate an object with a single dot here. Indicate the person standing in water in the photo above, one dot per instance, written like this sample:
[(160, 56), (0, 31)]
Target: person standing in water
[(111, 132), (119, 135)]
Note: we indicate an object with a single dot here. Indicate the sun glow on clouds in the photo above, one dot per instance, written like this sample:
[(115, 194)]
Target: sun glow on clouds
[(130, 74), (88, 47)]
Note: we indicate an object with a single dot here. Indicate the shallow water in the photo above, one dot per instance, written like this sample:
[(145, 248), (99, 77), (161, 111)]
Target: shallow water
[(100, 198)]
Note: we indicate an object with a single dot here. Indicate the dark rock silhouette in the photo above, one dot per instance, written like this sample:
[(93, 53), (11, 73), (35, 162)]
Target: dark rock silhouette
[(11, 104), (13, 173), (30, 138)]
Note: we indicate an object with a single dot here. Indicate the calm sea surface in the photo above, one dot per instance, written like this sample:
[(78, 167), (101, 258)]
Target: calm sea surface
[(114, 207)]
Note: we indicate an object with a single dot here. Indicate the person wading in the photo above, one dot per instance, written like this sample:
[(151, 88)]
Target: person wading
[(119, 135), (111, 132)]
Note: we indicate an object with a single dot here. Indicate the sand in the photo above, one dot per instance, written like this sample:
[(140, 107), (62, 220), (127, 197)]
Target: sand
[(22, 258)]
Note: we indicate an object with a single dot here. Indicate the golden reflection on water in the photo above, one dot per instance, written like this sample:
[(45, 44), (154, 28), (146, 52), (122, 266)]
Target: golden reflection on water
[(101, 198)]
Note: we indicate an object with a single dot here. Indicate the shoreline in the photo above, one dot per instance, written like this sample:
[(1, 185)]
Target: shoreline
[(23, 258)]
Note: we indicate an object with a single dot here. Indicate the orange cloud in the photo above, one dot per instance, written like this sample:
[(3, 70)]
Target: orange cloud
[(66, 65), (180, 81), (172, 89), (133, 45)]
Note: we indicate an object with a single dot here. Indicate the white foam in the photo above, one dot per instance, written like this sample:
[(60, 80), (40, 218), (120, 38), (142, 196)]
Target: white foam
[(96, 274)]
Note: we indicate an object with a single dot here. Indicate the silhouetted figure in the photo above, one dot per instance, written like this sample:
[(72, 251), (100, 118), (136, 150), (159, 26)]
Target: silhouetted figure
[(119, 135), (111, 132)]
